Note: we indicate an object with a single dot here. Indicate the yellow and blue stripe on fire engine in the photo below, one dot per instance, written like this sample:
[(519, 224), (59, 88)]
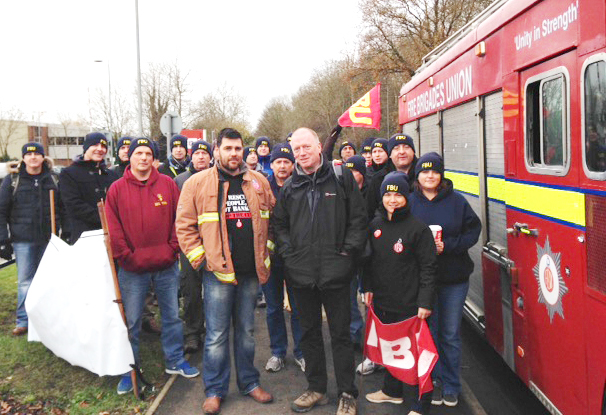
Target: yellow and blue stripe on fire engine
[(556, 203)]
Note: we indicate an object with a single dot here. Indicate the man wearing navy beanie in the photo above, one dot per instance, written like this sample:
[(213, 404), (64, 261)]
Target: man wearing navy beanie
[(366, 150), (83, 184), (401, 151), (123, 161), (191, 280), (347, 150), (178, 160), (263, 147)]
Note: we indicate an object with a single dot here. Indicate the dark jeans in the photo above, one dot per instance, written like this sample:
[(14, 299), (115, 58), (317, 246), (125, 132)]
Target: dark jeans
[(276, 323), (193, 305), (396, 388), (356, 327), (336, 303)]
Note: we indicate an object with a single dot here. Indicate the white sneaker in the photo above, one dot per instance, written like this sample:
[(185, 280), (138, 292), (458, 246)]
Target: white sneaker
[(366, 367), (301, 363), (274, 364)]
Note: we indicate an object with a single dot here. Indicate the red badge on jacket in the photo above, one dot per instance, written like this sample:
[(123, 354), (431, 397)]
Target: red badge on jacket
[(378, 233), (398, 247)]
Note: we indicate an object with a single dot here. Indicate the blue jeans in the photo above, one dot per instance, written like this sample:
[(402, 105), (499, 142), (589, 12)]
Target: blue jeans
[(134, 287), (356, 327), (276, 324), (28, 256), (224, 303), (445, 325)]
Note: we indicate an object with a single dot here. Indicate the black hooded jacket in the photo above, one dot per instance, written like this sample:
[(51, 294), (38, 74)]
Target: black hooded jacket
[(320, 226), (26, 209), (82, 185), (373, 196), (402, 269)]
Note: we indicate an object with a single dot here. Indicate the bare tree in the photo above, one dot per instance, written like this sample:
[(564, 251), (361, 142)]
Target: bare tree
[(276, 120), (222, 108), (10, 120), (400, 32)]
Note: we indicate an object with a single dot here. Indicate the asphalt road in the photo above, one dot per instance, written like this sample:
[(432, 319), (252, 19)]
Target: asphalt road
[(490, 387)]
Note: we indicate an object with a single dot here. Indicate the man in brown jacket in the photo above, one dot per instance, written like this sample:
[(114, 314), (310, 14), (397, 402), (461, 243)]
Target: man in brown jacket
[(222, 226)]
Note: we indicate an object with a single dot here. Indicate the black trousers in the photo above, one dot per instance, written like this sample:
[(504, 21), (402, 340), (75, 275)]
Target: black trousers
[(394, 387), (337, 304), (193, 305)]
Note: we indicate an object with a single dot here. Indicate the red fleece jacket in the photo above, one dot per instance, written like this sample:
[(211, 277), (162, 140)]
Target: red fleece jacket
[(141, 218)]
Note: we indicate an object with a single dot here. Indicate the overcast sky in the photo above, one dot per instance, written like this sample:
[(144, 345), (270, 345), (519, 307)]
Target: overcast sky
[(262, 48)]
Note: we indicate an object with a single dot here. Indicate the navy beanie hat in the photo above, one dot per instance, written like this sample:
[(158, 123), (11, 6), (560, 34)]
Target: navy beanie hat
[(398, 139), (345, 144), (380, 143), (357, 163), (92, 139), (142, 142), (247, 151), (32, 148), (124, 141), (178, 140), (430, 161), (201, 145), (367, 145), (263, 141), (396, 181), (283, 151), (289, 137)]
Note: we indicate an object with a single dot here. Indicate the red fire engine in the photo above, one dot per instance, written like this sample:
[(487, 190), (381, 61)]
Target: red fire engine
[(516, 103)]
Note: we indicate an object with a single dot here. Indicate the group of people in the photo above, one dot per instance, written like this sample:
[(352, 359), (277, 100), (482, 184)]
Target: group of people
[(286, 219)]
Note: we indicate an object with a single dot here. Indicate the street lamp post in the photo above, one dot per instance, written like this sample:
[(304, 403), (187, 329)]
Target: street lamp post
[(140, 115), (109, 95)]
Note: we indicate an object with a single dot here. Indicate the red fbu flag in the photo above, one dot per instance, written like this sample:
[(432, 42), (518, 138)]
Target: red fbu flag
[(365, 113), (406, 349)]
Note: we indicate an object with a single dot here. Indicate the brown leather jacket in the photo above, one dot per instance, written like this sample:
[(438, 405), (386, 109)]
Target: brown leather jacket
[(202, 229)]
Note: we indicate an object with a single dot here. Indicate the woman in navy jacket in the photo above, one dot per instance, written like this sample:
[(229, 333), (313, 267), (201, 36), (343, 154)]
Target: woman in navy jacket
[(435, 203)]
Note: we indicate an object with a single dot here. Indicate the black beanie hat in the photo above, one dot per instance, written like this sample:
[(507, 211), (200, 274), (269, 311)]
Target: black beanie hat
[(430, 161), (247, 151), (380, 143), (92, 139), (124, 141), (357, 163), (263, 141), (345, 144), (201, 145), (178, 140), (32, 148), (367, 145), (398, 139), (141, 142), (283, 151), (396, 181)]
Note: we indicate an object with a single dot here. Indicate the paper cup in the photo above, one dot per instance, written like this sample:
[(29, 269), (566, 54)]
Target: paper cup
[(437, 231)]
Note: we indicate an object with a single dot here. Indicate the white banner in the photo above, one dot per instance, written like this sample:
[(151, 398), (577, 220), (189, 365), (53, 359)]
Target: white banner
[(71, 309)]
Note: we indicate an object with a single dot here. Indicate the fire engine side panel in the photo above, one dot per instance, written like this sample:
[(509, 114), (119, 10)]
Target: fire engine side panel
[(495, 168), (460, 131), (550, 258), (430, 135), (411, 129)]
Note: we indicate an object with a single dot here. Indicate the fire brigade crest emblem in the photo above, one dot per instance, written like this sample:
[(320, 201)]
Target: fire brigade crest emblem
[(551, 284)]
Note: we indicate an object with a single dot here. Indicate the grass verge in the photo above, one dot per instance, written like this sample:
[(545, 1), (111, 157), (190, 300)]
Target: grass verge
[(34, 380)]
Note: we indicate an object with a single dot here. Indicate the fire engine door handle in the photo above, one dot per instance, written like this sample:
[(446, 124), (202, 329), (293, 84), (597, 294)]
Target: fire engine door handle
[(523, 228)]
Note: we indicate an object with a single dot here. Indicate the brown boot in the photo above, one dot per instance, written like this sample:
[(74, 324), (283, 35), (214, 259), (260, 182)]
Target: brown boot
[(261, 396), (212, 406), (19, 331)]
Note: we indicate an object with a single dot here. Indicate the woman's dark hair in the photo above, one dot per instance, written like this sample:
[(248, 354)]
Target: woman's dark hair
[(442, 186)]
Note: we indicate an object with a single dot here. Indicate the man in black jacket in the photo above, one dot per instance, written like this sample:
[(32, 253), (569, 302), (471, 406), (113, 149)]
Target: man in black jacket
[(25, 208), (320, 225), (123, 161), (177, 162), (85, 183)]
